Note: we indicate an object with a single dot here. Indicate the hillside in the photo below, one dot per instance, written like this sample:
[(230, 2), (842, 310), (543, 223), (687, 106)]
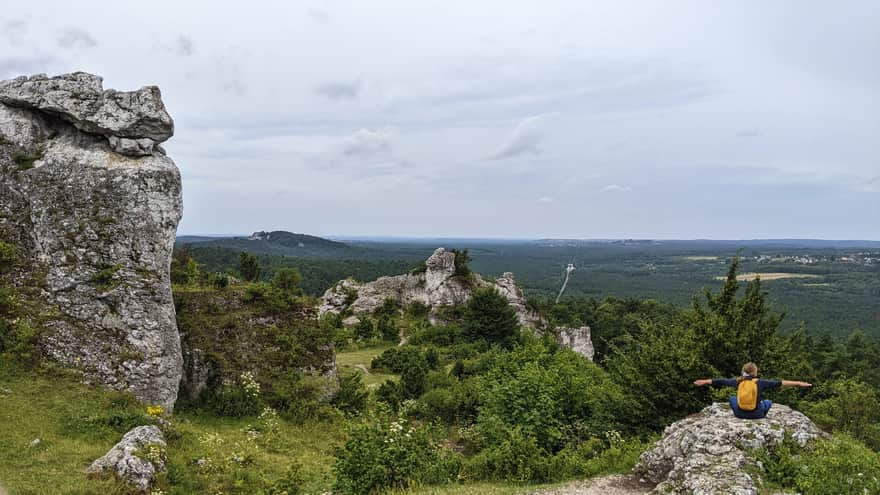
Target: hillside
[(834, 287), (279, 243)]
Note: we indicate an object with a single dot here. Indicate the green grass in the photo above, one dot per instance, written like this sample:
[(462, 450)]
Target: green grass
[(346, 362)]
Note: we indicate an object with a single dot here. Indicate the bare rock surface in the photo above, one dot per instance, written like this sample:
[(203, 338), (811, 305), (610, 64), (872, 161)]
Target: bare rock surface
[(135, 459), (438, 287), (96, 227), (133, 121), (710, 453), (615, 484)]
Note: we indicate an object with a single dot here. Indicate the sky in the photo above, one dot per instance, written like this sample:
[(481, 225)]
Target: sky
[(550, 119)]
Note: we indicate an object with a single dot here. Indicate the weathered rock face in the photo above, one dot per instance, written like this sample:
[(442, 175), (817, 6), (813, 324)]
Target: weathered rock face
[(437, 287), (709, 453), (577, 339), (133, 122), (135, 459), (99, 225)]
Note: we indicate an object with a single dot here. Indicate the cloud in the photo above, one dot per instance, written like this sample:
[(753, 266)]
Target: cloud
[(318, 15), (340, 90), (14, 31), (749, 133), (75, 38), (544, 200), (615, 188), (184, 46), (17, 66), (367, 143), (524, 139), (871, 185)]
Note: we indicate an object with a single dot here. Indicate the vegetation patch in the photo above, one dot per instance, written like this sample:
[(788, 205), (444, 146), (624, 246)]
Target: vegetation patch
[(748, 277)]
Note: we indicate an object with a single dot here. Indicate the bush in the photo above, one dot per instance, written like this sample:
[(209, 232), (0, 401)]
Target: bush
[(236, 399), (398, 359), (382, 454), (288, 280), (488, 316), (248, 267), (851, 406), (543, 393), (352, 395), (841, 466)]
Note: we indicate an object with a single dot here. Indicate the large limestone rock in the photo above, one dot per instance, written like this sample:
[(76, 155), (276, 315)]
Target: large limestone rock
[(135, 459), (437, 287), (96, 227), (132, 121), (710, 453)]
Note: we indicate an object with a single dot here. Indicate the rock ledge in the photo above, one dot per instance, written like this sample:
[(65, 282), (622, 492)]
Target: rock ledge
[(709, 453)]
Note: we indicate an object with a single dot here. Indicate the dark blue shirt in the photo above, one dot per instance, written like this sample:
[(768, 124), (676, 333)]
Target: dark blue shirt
[(762, 385)]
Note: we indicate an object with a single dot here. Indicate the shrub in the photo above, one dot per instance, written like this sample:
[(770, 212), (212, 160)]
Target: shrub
[(288, 280), (462, 260), (543, 392), (382, 454), (248, 267), (851, 406), (352, 395), (236, 399), (364, 329), (840, 465), (488, 316)]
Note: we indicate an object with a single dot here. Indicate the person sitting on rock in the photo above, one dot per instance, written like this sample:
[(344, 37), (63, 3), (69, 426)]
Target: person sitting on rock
[(747, 403)]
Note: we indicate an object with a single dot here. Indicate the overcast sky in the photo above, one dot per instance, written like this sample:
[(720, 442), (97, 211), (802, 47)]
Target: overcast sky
[(495, 118)]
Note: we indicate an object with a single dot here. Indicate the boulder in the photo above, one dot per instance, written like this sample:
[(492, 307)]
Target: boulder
[(135, 459), (95, 227), (711, 453), (133, 122)]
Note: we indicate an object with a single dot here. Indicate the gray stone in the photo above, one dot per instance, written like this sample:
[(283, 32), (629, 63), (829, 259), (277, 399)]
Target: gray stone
[(133, 121), (577, 339), (97, 229), (129, 459), (711, 453), (438, 287)]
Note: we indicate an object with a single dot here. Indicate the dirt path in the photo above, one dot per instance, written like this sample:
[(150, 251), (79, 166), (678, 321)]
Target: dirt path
[(617, 484)]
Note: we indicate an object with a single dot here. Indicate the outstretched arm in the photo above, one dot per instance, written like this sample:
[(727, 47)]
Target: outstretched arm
[(789, 383), (700, 383)]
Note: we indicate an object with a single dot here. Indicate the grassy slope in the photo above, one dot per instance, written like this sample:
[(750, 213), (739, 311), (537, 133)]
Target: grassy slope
[(346, 362), (77, 424)]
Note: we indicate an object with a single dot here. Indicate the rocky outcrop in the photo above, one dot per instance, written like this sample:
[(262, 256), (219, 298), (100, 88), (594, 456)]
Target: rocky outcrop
[(438, 286), (133, 122), (96, 226), (577, 339), (712, 453), (135, 459)]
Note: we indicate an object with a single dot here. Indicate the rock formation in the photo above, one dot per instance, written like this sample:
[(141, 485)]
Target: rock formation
[(135, 459), (711, 453), (93, 203), (438, 286)]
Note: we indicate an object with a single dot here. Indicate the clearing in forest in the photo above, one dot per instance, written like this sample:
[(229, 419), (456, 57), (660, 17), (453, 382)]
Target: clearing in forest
[(745, 277)]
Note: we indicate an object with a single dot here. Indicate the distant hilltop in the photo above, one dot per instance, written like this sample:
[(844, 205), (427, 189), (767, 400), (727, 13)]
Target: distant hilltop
[(276, 242)]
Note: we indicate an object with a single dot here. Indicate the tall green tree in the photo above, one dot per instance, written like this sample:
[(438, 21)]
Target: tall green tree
[(248, 267), (488, 316)]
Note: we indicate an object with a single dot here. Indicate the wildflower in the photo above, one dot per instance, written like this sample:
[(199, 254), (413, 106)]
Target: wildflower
[(155, 411)]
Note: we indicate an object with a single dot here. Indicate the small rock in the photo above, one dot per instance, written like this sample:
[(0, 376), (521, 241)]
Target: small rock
[(33, 443), (128, 459)]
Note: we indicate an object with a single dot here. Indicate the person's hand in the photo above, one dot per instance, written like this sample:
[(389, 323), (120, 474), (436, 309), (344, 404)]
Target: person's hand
[(700, 383), (805, 384)]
